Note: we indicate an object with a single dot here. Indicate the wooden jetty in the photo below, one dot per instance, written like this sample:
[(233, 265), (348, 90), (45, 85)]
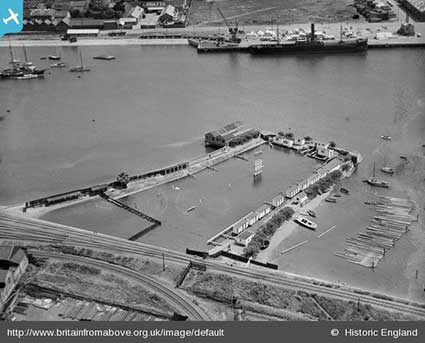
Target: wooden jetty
[(155, 222)]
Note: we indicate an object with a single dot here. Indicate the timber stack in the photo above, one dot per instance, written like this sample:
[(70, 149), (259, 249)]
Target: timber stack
[(385, 229)]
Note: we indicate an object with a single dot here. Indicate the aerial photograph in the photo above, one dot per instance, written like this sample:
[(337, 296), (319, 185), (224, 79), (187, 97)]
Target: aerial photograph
[(212, 160)]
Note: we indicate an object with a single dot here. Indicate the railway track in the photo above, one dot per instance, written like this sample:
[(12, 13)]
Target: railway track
[(178, 302), (14, 228)]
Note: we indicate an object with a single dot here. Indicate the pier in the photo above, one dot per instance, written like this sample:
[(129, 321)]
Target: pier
[(155, 222)]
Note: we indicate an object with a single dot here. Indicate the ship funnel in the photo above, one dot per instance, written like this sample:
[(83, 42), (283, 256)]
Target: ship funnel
[(312, 32)]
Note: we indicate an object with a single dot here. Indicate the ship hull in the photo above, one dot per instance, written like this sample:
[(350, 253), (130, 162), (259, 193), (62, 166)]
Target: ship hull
[(308, 48), (216, 46)]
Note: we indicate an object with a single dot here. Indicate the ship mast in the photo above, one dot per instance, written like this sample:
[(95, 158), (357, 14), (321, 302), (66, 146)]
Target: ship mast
[(277, 33), (25, 53), (12, 60), (81, 59)]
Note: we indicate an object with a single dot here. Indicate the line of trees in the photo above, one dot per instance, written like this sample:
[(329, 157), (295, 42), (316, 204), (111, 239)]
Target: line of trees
[(266, 231), (323, 184)]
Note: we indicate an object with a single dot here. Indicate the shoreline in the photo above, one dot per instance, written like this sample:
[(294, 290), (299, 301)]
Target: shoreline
[(289, 227), (93, 42), (178, 36)]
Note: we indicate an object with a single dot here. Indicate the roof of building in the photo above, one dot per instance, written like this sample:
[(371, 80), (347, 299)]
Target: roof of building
[(292, 188), (244, 219), (225, 129), (79, 3), (278, 198), (81, 32), (263, 208), (332, 164), (45, 12), (128, 20), (85, 22), (62, 14), (243, 130), (3, 275), (418, 4), (170, 10), (154, 3), (245, 234), (302, 195), (135, 12), (18, 255), (5, 253)]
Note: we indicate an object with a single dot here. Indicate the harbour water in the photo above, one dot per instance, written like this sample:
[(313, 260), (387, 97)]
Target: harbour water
[(151, 106)]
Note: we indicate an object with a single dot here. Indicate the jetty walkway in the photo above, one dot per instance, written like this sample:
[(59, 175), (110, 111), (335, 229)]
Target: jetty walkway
[(155, 222)]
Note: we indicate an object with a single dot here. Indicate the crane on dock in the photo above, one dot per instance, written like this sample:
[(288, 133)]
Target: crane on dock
[(233, 30)]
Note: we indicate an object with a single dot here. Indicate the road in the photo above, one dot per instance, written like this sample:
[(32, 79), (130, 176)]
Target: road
[(20, 229), (173, 297)]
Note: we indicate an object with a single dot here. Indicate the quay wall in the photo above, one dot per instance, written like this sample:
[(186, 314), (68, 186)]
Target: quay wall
[(96, 189)]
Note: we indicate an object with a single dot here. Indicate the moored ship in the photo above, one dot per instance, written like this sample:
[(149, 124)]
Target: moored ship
[(310, 45), (21, 71), (81, 68), (219, 44)]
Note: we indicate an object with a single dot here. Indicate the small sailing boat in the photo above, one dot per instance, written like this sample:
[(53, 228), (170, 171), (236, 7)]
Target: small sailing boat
[(58, 65), (55, 57), (376, 182), (19, 71), (81, 68), (29, 68), (27, 63), (311, 213), (344, 190), (104, 57), (386, 169)]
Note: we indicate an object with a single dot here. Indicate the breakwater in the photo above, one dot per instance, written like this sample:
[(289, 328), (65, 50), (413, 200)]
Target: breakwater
[(100, 189)]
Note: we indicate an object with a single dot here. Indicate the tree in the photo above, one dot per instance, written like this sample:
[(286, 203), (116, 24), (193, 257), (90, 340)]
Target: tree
[(332, 144), (345, 167), (308, 138), (280, 133), (109, 14), (289, 135), (75, 13)]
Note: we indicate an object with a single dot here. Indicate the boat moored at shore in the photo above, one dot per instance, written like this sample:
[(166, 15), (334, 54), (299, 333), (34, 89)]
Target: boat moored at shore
[(305, 222), (310, 45)]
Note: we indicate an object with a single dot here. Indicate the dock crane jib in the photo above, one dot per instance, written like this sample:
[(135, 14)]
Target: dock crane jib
[(233, 30)]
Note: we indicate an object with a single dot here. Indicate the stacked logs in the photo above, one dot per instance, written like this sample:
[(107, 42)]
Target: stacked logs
[(392, 220)]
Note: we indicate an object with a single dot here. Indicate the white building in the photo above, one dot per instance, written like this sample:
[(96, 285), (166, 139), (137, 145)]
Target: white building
[(299, 141), (242, 224), (278, 200), (302, 198), (244, 238), (262, 211)]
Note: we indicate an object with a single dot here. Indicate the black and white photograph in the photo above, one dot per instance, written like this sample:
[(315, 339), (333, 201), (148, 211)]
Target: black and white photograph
[(213, 161)]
